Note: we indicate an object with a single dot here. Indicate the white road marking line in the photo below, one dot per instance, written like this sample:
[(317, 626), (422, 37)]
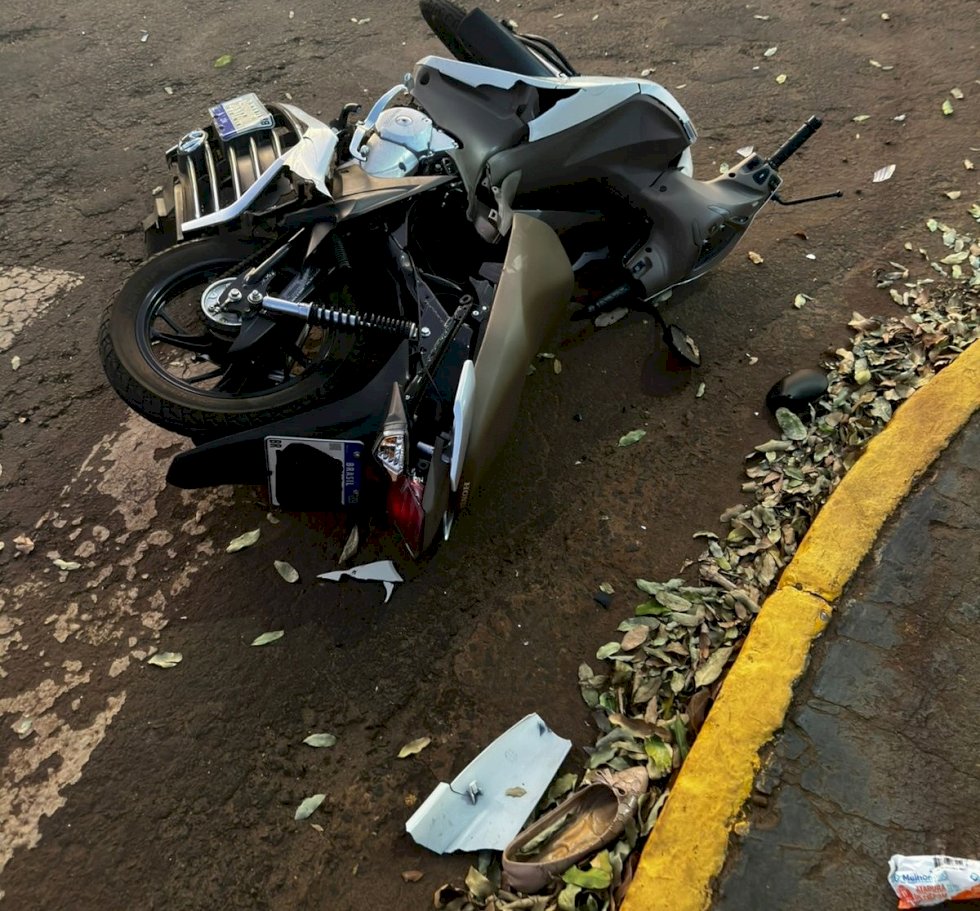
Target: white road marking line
[(25, 293), (109, 603)]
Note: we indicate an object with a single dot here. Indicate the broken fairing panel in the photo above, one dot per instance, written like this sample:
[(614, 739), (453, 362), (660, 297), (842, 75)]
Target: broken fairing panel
[(474, 812), (382, 571)]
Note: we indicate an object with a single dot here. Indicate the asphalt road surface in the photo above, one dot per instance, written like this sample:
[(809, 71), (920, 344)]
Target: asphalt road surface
[(130, 786)]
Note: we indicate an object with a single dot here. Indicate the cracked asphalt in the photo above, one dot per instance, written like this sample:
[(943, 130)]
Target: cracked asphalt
[(879, 753)]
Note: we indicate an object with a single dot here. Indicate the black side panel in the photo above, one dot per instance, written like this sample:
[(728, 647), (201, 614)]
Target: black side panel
[(240, 457), (488, 43), (625, 147), (484, 119)]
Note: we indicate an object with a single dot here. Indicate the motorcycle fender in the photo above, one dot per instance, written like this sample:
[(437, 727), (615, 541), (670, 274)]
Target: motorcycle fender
[(530, 301)]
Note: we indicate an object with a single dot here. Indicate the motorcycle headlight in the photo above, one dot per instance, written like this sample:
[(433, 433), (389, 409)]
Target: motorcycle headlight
[(392, 444)]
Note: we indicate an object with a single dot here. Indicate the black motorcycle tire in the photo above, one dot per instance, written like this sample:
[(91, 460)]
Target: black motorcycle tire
[(444, 18), (173, 406)]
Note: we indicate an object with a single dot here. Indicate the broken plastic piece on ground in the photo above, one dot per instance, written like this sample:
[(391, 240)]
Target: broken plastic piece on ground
[(883, 174), (579, 826), (797, 390), (474, 812), (382, 571), (923, 880)]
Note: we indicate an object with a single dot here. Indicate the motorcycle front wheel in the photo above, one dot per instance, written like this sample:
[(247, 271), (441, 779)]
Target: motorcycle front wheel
[(171, 363)]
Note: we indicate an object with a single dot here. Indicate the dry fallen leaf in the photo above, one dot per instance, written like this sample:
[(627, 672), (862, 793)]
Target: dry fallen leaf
[(243, 541), (308, 806), (413, 747), (285, 570), (320, 740)]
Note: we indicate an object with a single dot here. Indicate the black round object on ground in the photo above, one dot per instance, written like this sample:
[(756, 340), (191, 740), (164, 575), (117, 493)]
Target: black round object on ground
[(797, 390)]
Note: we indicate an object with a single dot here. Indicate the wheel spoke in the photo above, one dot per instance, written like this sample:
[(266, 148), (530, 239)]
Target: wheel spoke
[(210, 375), (162, 314), (201, 343)]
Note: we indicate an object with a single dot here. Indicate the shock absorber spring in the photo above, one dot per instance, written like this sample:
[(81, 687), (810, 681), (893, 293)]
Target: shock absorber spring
[(329, 317), (339, 251)]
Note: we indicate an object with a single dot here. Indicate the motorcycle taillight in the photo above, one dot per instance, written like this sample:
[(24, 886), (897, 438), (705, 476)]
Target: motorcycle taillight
[(405, 510)]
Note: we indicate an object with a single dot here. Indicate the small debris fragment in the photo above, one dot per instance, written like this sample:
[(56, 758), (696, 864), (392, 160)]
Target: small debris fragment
[(745, 151), (947, 107), (15, 362), (781, 78), (647, 72), (66, 565), (860, 118), (223, 60), (885, 16), (770, 51), (883, 174), (954, 194), (266, 638), (144, 36), (412, 876), (515, 792), (166, 659), (23, 544), (957, 94), (168, 89), (613, 316), (755, 257), (800, 300), (700, 391), (382, 571), (968, 164)]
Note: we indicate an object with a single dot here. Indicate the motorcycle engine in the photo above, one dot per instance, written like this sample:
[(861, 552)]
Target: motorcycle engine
[(403, 137)]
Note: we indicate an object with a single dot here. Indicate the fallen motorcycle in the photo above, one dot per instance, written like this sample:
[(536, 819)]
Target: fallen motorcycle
[(327, 292)]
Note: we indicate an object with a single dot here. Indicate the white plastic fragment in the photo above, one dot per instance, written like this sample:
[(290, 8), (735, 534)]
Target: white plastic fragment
[(479, 809), (382, 571), (923, 880), (883, 174)]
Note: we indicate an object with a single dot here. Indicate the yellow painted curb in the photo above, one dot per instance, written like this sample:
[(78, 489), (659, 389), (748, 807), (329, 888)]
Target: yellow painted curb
[(847, 526), (687, 847)]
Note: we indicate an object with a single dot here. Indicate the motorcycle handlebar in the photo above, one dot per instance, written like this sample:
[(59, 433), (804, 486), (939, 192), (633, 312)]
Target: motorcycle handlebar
[(792, 145)]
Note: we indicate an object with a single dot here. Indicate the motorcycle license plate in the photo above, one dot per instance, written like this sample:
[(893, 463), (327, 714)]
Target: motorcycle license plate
[(244, 114), (312, 474)]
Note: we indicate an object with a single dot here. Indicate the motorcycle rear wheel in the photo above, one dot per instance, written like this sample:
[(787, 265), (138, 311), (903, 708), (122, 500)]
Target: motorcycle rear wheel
[(179, 378)]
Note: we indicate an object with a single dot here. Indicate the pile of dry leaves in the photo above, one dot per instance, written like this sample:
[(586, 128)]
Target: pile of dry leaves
[(656, 681)]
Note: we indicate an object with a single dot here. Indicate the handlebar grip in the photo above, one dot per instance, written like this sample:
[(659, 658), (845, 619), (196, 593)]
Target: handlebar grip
[(792, 145)]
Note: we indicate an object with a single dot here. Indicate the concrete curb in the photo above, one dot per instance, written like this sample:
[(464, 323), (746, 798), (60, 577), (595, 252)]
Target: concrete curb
[(687, 847)]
